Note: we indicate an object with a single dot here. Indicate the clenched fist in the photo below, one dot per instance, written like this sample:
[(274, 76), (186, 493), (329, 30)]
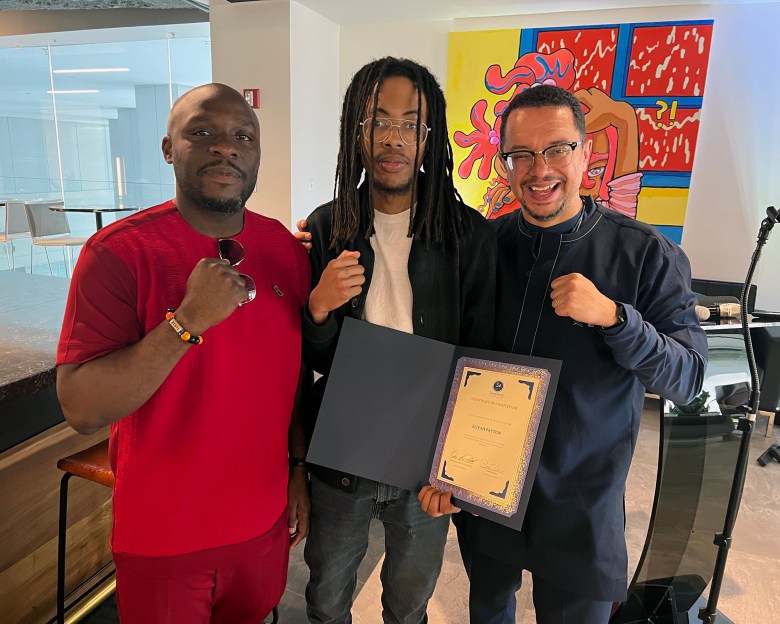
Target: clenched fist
[(341, 280)]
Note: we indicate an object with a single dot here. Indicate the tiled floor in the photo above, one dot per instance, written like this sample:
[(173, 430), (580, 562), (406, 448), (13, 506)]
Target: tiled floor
[(751, 587)]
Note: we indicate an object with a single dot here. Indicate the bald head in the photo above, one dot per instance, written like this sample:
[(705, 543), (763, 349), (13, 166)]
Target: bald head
[(203, 96)]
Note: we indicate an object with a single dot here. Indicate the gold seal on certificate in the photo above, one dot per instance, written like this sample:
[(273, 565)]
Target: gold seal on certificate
[(486, 440)]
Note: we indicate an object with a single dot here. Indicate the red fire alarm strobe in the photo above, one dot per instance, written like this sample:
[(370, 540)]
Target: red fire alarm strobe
[(252, 97)]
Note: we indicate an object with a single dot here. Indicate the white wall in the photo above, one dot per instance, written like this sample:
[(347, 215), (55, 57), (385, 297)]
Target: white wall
[(424, 42), (736, 170), (314, 107), (250, 48)]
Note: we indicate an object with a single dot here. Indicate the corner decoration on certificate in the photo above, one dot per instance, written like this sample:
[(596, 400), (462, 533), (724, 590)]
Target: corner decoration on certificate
[(487, 437)]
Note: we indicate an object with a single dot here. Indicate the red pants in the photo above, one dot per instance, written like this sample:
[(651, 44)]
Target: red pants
[(235, 584)]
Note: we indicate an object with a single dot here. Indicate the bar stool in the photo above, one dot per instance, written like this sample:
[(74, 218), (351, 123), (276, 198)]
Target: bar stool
[(91, 464)]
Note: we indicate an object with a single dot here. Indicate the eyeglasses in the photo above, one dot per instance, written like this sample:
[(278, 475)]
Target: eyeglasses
[(383, 127), (233, 251), (555, 156)]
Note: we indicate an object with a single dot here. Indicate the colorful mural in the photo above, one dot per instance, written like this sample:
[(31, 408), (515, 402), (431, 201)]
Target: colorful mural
[(640, 86)]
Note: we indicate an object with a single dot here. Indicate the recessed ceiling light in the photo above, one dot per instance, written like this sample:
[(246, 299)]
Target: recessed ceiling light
[(96, 70), (71, 91)]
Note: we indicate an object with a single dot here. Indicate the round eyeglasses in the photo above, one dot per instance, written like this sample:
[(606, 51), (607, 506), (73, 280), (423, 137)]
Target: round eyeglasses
[(555, 156), (383, 127)]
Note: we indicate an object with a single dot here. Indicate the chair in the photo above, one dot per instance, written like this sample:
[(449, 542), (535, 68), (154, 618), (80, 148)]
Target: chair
[(91, 464), (14, 225), (50, 229)]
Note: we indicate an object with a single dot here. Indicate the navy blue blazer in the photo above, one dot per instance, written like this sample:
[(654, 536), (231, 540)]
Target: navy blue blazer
[(573, 532)]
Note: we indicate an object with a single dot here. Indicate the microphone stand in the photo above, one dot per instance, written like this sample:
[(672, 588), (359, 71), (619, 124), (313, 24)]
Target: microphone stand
[(745, 425)]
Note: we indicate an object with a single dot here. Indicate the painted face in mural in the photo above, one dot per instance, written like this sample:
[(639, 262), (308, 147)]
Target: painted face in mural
[(390, 162), (547, 195), (592, 182)]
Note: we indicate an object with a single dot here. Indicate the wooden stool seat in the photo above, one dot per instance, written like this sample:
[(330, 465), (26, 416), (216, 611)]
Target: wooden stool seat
[(91, 464)]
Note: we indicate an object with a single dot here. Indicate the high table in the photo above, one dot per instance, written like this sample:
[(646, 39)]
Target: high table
[(696, 466), (33, 437), (96, 210)]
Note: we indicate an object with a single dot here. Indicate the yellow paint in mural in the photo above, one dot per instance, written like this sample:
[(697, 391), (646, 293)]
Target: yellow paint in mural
[(662, 206), (469, 56)]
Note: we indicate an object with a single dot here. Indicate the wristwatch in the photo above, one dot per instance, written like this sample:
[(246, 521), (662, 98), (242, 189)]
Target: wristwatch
[(621, 316)]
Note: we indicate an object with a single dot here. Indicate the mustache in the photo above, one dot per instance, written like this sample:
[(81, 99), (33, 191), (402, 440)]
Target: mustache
[(541, 180), (221, 163)]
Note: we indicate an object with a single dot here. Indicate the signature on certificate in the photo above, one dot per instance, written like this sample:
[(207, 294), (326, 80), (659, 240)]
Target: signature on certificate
[(487, 465), (468, 458), (464, 457)]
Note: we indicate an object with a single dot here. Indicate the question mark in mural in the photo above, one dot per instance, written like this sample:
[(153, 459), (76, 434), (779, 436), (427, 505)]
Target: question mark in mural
[(663, 107)]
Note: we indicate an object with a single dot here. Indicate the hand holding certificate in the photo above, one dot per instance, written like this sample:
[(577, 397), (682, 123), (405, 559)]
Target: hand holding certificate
[(405, 410)]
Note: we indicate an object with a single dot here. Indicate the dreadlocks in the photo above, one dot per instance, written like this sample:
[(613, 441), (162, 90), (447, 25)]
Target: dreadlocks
[(439, 216)]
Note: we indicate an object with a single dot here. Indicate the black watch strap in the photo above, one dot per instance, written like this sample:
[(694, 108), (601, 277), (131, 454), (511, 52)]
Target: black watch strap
[(621, 315)]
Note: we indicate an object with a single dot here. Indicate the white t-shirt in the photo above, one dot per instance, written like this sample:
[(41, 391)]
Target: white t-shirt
[(389, 297)]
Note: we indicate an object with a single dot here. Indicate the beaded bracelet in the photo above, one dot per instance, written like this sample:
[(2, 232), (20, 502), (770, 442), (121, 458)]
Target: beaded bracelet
[(183, 333)]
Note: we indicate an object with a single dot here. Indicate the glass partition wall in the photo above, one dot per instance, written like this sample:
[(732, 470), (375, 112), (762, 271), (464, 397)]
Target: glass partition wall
[(83, 123)]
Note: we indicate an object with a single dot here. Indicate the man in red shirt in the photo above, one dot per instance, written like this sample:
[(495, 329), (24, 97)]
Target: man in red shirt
[(195, 366)]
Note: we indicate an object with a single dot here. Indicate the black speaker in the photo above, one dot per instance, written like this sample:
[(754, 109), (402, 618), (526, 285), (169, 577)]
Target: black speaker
[(766, 344)]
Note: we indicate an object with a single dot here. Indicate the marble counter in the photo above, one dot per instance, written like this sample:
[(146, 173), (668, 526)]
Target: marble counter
[(31, 310)]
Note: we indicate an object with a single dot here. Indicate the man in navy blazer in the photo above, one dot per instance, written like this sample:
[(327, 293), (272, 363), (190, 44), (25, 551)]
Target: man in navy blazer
[(611, 298)]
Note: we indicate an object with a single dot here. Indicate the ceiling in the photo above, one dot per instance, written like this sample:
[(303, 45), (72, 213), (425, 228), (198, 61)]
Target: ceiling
[(21, 5), (358, 11), (362, 11)]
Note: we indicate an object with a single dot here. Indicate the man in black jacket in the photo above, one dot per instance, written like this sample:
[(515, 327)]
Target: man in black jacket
[(399, 250)]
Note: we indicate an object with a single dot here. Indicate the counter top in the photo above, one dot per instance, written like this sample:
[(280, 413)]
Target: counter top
[(31, 311)]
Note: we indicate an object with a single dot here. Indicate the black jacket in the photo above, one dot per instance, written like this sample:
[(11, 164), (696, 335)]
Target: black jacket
[(453, 289)]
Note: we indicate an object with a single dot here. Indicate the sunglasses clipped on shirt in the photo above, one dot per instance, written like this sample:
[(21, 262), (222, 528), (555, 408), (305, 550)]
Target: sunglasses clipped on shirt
[(233, 251)]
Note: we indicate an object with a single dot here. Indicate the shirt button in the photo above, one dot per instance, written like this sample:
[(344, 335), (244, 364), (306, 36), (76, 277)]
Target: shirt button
[(355, 302), (345, 481)]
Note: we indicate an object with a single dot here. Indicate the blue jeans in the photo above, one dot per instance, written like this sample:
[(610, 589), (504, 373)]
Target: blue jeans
[(338, 540)]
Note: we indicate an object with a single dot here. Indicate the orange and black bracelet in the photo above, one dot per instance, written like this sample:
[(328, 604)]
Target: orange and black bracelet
[(183, 333)]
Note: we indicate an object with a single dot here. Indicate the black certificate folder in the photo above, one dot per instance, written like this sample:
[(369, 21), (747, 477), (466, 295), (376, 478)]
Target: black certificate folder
[(407, 411)]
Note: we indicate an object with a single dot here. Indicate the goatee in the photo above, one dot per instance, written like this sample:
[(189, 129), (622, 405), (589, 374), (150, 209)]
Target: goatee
[(227, 206), (401, 189), (543, 217)]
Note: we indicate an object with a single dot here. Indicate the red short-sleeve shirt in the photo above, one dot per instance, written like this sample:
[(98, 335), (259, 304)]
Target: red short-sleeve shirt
[(203, 463)]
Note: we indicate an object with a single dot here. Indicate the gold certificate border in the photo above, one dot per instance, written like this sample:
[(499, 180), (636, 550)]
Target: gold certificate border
[(506, 506)]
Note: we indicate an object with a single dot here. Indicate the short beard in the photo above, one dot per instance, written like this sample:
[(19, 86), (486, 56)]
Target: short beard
[(228, 206), (392, 190), (219, 205), (545, 217)]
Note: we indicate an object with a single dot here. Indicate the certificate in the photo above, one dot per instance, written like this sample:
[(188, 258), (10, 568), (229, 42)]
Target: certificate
[(406, 411), (486, 440)]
